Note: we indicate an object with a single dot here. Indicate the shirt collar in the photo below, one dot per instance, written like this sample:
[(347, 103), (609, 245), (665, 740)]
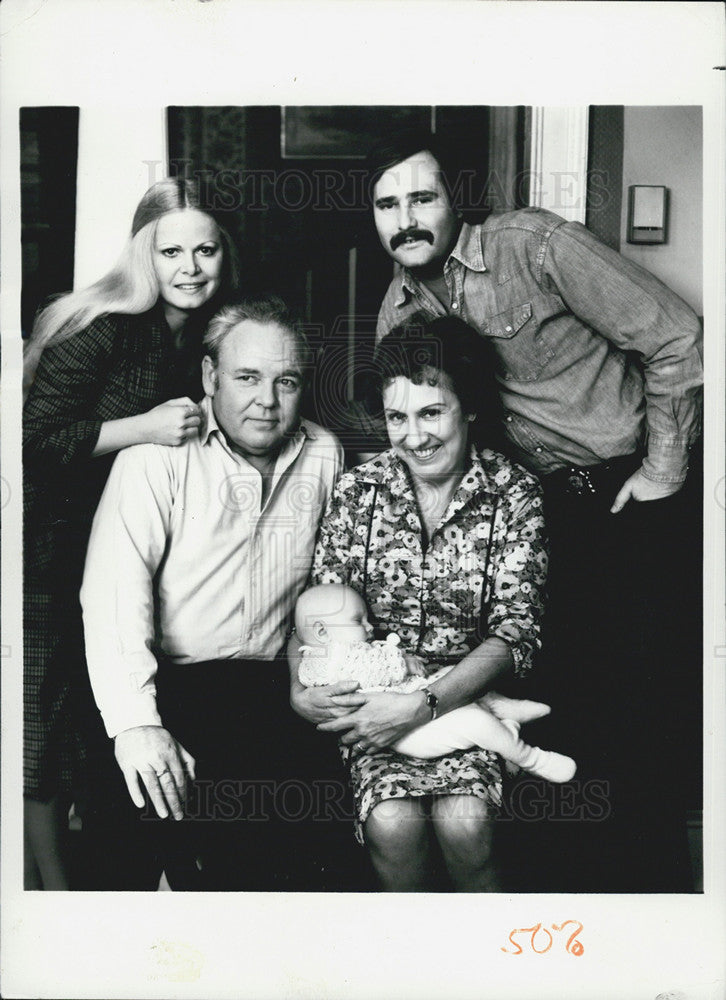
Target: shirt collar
[(469, 248), (481, 474), (484, 477), (209, 421), (468, 251)]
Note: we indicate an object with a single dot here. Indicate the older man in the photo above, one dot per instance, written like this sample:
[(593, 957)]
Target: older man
[(600, 374), (196, 557)]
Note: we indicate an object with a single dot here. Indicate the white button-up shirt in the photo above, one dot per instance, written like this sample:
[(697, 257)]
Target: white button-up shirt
[(184, 559)]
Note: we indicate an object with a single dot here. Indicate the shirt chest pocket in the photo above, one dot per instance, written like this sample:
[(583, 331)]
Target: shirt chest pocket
[(521, 348)]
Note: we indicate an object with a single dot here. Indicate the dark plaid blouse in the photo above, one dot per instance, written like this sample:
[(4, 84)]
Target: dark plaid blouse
[(119, 366)]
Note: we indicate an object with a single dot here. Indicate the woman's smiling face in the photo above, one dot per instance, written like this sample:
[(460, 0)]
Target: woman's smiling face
[(188, 259), (426, 426)]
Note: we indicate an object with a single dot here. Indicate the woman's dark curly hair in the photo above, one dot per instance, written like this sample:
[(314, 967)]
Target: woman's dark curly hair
[(424, 349)]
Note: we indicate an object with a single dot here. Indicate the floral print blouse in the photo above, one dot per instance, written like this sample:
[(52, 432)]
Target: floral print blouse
[(481, 575)]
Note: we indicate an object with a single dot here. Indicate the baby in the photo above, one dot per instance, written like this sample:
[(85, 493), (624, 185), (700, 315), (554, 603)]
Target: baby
[(332, 625)]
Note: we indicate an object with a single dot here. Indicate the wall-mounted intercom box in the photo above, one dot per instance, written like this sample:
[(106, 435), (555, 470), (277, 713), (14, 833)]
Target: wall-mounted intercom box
[(647, 213)]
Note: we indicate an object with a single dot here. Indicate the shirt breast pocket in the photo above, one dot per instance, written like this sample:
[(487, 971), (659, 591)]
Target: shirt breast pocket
[(519, 343)]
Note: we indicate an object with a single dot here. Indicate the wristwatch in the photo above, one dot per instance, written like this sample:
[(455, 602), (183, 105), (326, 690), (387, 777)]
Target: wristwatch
[(432, 702)]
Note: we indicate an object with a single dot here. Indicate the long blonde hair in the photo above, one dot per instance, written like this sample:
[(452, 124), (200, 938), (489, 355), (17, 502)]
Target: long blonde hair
[(131, 286)]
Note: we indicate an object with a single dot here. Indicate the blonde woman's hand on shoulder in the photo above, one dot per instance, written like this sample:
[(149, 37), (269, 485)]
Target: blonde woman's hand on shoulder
[(172, 423)]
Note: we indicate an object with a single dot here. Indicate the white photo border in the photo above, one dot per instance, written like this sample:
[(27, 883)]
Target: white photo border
[(125, 53)]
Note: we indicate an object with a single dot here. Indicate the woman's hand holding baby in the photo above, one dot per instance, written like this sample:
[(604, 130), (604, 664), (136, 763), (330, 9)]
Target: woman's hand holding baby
[(381, 721)]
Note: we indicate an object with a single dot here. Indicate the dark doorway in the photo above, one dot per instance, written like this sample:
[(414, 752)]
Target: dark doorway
[(48, 157)]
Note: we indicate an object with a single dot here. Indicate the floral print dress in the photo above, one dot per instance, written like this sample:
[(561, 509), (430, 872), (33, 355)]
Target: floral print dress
[(481, 575)]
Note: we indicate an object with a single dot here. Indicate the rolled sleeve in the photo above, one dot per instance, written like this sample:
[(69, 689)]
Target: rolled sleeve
[(667, 459)]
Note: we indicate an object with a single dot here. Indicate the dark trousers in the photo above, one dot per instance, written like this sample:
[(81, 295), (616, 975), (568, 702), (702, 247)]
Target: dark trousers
[(269, 809), (622, 668)]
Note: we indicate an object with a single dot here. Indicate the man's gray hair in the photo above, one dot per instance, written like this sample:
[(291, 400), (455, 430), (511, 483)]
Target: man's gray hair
[(267, 309)]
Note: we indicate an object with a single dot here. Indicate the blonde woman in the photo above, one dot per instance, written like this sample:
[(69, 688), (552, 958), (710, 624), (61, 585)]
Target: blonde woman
[(109, 366)]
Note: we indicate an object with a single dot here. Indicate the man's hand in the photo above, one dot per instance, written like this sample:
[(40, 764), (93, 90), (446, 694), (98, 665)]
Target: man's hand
[(152, 754), (642, 489), (320, 704)]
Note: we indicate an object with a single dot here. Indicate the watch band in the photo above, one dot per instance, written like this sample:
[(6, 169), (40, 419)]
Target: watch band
[(432, 702)]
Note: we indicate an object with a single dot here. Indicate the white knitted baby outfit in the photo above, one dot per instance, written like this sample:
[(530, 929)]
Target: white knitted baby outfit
[(375, 665)]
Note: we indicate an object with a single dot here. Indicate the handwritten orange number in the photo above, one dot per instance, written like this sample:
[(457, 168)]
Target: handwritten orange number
[(572, 947), (515, 943)]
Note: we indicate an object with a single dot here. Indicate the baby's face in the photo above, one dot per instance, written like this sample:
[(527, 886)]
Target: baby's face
[(350, 622)]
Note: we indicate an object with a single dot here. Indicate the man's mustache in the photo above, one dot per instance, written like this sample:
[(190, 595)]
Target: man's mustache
[(411, 234)]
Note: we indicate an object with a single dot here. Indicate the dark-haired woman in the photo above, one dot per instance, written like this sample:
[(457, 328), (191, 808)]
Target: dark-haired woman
[(444, 541), (106, 367)]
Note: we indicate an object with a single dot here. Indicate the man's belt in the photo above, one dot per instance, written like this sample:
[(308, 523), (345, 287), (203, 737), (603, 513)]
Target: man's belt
[(605, 478)]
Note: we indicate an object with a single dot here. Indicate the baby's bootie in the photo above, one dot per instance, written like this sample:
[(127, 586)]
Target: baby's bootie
[(541, 763), (518, 710)]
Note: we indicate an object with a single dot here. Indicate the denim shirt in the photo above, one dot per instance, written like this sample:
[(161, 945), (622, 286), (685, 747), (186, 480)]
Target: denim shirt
[(595, 357)]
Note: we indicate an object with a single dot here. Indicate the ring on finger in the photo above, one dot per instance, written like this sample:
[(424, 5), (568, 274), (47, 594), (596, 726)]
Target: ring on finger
[(160, 774)]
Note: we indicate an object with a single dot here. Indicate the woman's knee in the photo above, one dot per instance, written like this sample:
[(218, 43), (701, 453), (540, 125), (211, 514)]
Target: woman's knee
[(395, 827), (464, 828)]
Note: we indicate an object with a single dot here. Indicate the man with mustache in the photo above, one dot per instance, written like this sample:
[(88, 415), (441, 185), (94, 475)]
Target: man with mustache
[(600, 374)]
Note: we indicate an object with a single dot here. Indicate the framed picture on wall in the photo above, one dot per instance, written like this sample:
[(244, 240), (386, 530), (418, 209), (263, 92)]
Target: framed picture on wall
[(344, 132)]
